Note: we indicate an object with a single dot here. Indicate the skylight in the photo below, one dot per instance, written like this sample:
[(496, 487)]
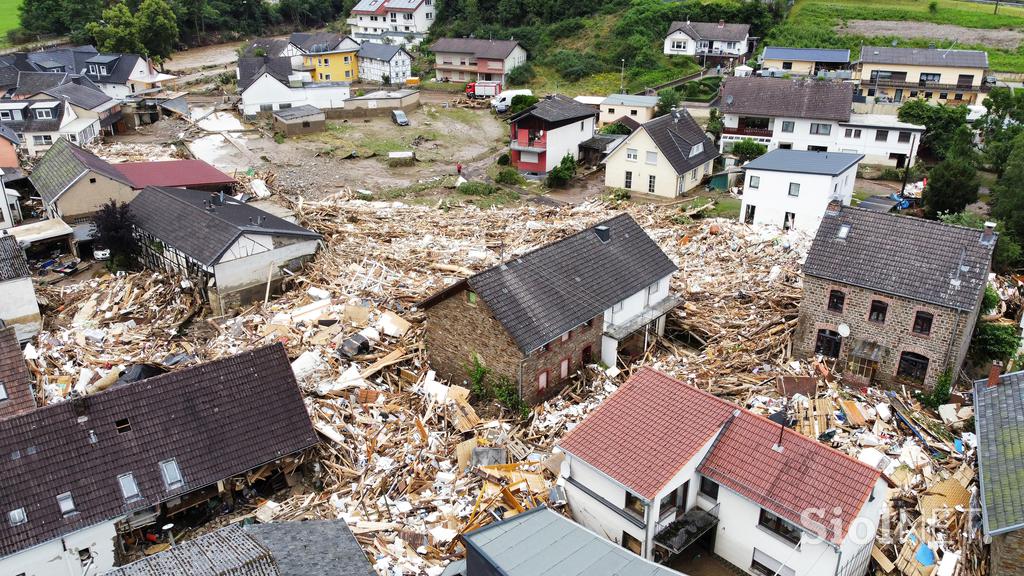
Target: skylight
[(844, 231)]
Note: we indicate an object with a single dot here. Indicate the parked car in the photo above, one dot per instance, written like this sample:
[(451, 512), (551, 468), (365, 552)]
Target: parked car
[(100, 253), (399, 117), (503, 101)]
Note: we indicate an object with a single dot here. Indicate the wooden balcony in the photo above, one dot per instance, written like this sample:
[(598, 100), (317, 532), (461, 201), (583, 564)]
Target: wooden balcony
[(755, 132)]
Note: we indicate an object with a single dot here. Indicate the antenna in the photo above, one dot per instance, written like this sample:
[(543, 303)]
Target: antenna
[(950, 48), (778, 445)]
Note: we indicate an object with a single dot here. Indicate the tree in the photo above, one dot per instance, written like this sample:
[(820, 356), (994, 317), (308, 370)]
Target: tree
[(746, 150), (118, 31), (115, 229), (42, 16), (668, 99), (941, 123), (1007, 252), (76, 14), (715, 124), (521, 102), (1008, 193), (560, 175), (952, 185), (158, 28)]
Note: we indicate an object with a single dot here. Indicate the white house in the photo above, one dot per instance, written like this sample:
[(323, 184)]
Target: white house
[(18, 307), (664, 466), (380, 61), (666, 157), (118, 75), (792, 188), (549, 130), (268, 84), (40, 123), (812, 115), (707, 39), (638, 108), (392, 21)]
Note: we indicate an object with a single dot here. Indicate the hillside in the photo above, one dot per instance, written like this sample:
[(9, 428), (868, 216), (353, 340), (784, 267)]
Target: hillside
[(8, 18)]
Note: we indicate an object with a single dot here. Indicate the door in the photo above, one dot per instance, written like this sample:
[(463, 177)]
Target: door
[(748, 217), (898, 95), (563, 370), (684, 494), (587, 356), (901, 159), (789, 221)]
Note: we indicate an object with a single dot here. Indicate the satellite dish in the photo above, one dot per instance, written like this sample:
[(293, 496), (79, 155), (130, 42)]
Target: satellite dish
[(843, 330)]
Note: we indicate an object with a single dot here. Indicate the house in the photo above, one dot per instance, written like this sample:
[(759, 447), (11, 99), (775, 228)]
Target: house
[(392, 21), (115, 74), (469, 59), (10, 207), (91, 472), (999, 425), (637, 108), (384, 63), (791, 189), (938, 75), (804, 61), (40, 123), (194, 174), (16, 393), (806, 114), (18, 307), (233, 251), (542, 541), (663, 466), (268, 84), (549, 130), (87, 103), (299, 548), (707, 39), (327, 56), (891, 299), (595, 295), (303, 119), (666, 156), (28, 83), (9, 144), (275, 48)]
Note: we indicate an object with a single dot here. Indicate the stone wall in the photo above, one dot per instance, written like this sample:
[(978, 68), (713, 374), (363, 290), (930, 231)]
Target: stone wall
[(945, 346), (1008, 554), (551, 359)]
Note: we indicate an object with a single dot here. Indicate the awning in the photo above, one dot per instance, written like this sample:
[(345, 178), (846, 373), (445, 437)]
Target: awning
[(41, 231), (878, 203), (867, 350)]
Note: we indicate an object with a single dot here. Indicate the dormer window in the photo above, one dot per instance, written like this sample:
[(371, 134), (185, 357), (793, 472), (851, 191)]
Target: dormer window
[(94, 69), (103, 70), (171, 474), (44, 114), (697, 149)]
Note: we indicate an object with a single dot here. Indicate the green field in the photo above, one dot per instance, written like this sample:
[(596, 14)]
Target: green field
[(812, 23), (8, 18)]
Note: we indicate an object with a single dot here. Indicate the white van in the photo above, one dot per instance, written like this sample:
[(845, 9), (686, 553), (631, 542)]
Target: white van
[(502, 101)]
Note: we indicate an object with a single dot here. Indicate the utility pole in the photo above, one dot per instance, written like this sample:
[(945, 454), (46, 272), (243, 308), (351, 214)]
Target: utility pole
[(906, 169), (622, 75)]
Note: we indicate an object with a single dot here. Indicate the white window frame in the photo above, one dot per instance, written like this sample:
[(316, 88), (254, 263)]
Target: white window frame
[(542, 380), (755, 181), (651, 184), (44, 114), (129, 477), (617, 307), (17, 517), (5, 115), (563, 369), (632, 154), (791, 124), (797, 184), (3, 389), (173, 465), (66, 504)]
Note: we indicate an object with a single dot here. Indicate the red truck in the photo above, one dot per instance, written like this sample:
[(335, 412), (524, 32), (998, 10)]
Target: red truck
[(483, 89)]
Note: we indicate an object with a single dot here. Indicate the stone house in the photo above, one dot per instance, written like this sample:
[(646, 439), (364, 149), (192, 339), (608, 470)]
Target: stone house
[(533, 320), (892, 299)]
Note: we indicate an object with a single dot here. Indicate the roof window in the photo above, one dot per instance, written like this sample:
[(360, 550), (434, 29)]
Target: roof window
[(17, 516), (844, 231)]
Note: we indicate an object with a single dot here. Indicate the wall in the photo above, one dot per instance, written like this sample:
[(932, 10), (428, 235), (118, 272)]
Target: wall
[(566, 140), (593, 514), (772, 201), (399, 68), (334, 66), (875, 151), (612, 112), (19, 308), (689, 49), (8, 154), (1008, 554), (315, 124), (84, 198), (268, 91), (945, 346), (247, 263), (550, 360), (666, 181), (59, 557), (688, 473), (801, 67)]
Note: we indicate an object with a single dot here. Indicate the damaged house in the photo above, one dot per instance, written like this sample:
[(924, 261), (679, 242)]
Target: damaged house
[(84, 478), (16, 392), (671, 472), (18, 307), (892, 299), (235, 252), (595, 295)]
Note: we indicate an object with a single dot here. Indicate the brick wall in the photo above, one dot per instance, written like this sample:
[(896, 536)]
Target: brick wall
[(946, 345), (551, 360), (1008, 554)]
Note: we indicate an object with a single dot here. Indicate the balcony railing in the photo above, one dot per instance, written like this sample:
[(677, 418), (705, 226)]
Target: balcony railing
[(759, 132), (676, 535), (535, 145), (931, 86)]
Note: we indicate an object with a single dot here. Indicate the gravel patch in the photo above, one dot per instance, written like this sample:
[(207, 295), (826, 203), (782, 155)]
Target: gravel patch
[(995, 38)]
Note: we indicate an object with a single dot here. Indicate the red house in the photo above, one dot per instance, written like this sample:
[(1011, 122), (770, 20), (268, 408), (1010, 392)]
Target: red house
[(544, 133)]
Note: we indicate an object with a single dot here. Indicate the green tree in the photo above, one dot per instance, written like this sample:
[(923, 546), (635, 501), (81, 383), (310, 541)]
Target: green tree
[(1007, 252), (158, 28), (715, 124), (118, 31), (1008, 193), (952, 185), (668, 99), (560, 175), (42, 16), (76, 14), (746, 150), (115, 229), (941, 123)]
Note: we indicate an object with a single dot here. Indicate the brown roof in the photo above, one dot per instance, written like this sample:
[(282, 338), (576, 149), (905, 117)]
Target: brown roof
[(782, 98), (479, 47), (15, 378), (173, 173)]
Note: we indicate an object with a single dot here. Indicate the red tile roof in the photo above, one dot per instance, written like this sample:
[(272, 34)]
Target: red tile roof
[(173, 173), (653, 425)]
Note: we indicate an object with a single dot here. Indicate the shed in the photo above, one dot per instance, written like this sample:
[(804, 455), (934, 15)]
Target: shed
[(726, 178), (303, 119), (381, 102)]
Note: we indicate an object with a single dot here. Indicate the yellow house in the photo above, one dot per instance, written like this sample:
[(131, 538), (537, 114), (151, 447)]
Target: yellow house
[(804, 61), (330, 58), (937, 75)]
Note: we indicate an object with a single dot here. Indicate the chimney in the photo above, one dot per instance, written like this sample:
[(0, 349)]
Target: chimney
[(833, 207), (993, 373), (603, 233), (721, 23), (989, 234)]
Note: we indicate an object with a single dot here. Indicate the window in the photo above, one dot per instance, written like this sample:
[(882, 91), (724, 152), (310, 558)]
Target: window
[(632, 544), (634, 504), (755, 181), (17, 516), (123, 425), (836, 299), (92, 180), (693, 173), (787, 65), (565, 337), (668, 502), (828, 343), (768, 566), (542, 381), (923, 323), (788, 221), (587, 356), (85, 556), (93, 69), (926, 77), (284, 106), (44, 140), (794, 188), (913, 367), (305, 124), (581, 126), (66, 503), (958, 96), (927, 95), (904, 136), (696, 149), (5, 114), (631, 154), (821, 129), (881, 135), (843, 232), (652, 158), (777, 525), (709, 488), (679, 45), (633, 112), (563, 369), (853, 132), (129, 489), (788, 125), (266, 107), (965, 80), (612, 111), (3, 391), (650, 183), (943, 95), (471, 297), (629, 179), (347, 59), (878, 310), (172, 475)]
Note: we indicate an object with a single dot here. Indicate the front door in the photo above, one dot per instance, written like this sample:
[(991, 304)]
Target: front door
[(898, 95), (748, 218), (789, 221), (684, 493)]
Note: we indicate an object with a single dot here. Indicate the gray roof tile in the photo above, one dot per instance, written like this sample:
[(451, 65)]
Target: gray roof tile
[(375, 51), (676, 135), (999, 423), (250, 69), (479, 47), (712, 30), (64, 163), (829, 55), (805, 162), (924, 56), (81, 96), (12, 259), (557, 108), (782, 98)]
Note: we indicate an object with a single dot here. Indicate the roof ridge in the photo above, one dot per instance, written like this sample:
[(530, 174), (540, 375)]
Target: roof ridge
[(167, 191), (938, 223)]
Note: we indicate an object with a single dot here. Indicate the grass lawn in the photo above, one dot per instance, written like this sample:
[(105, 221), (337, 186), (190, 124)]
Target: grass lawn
[(8, 18)]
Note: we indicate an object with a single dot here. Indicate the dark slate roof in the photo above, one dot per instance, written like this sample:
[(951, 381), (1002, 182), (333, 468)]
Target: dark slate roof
[(8, 77), (270, 47), (712, 30), (924, 56), (217, 420), (782, 98), (553, 289), (317, 41), (375, 51), (249, 69), (30, 83), (805, 162), (676, 135), (479, 47), (81, 96), (12, 259), (999, 424), (296, 112), (178, 217), (30, 124), (910, 257), (116, 74), (541, 542), (14, 374), (557, 108), (63, 164), (829, 55), (8, 134)]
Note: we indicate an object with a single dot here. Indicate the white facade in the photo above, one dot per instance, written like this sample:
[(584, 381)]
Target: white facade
[(252, 257), (267, 94), (793, 200), (84, 552), (393, 26), (638, 310), (19, 308), (881, 139), (680, 43), (398, 69), (561, 141), (77, 129)]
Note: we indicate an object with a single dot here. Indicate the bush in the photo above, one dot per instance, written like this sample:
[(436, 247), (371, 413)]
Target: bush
[(17, 36), (477, 189), (746, 150), (994, 341), (620, 195), (933, 7), (509, 176), (521, 102), (279, 137), (563, 173), (504, 159), (520, 75), (573, 65), (990, 300), (939, 395), (615, 128)]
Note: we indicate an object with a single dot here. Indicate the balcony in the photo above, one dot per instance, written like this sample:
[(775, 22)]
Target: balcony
[(744, 131), (468, 67), (524, 141), (930, 86), (649, 314), (676, 535)]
